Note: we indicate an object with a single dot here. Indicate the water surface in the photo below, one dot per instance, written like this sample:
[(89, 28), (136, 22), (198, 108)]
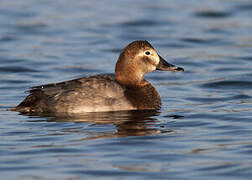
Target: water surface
[(204, 129)]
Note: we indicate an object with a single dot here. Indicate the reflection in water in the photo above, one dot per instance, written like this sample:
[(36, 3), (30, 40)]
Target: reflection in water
[(127, 123)]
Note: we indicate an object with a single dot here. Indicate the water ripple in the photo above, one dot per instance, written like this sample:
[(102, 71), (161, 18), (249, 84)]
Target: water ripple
[(16, 69), (213, 14), (228, 85)]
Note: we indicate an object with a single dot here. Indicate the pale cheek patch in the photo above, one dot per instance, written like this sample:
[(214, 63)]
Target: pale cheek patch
[(151, 62), (151, 68), (156, 59)]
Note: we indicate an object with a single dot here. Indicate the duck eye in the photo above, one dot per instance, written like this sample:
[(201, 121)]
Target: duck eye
[(147, 53)]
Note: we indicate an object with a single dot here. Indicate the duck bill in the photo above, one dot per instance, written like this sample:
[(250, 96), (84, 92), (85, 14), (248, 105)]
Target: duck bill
[(163, 65)]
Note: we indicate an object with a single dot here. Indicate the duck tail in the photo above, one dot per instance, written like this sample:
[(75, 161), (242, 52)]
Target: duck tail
[(28, 104)]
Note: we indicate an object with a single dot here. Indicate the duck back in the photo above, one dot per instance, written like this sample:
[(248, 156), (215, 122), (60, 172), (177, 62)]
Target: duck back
[(93, 94)]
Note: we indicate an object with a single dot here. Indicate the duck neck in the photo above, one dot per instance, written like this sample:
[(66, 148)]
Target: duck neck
[(131, 79), (144, 97), (127, 71)]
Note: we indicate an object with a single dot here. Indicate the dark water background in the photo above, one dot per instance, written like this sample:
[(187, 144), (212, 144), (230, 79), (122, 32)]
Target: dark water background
[(204, 129)]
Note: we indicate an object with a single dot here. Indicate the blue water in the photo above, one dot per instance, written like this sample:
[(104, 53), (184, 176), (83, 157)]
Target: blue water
[(204, 129)]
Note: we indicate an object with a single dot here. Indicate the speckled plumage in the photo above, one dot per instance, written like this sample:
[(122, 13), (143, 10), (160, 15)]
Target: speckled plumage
[(93, 94)]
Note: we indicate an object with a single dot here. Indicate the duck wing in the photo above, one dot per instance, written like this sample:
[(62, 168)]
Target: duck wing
[(94, 93)]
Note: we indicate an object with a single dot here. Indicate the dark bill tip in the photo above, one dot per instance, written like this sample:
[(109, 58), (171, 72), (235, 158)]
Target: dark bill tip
[(165, 66)]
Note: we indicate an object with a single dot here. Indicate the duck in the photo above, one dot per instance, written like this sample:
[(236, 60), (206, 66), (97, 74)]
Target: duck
[(127, 90)]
